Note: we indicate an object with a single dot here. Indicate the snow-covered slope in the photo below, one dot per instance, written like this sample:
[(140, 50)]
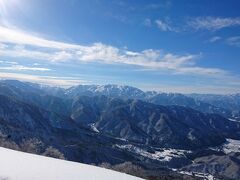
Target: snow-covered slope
[(23, 166), (107, 90)]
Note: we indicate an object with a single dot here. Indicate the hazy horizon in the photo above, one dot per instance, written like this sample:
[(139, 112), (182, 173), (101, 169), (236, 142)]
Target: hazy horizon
[(185, 47), (144, 90)]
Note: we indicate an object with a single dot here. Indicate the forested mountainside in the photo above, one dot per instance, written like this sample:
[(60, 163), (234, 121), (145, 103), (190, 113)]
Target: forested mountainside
[(115, 125)]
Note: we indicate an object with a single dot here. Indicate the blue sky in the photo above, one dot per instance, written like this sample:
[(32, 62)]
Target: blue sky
[(174, 46)]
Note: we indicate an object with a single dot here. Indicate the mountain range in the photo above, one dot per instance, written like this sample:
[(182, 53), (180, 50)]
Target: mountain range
[(117, 124)]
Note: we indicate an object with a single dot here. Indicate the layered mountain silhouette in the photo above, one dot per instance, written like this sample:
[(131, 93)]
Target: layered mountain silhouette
[(99, 123)]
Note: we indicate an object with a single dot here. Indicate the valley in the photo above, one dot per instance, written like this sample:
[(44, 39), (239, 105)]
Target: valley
[(163, 135)]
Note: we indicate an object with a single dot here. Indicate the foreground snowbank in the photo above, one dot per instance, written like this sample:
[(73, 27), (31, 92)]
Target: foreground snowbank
[(16, 165)]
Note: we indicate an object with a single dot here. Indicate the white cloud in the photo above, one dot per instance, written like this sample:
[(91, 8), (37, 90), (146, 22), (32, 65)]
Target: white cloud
[(187, 89), (234, 41), (16, 36), (156, 6), (61, 56), (3, 46), (211, 72), (21, 51), (24, 68), (214, 39), (8, 62), (212, 23), (147, 22), (164, 25), (16, 43), (48, 80)]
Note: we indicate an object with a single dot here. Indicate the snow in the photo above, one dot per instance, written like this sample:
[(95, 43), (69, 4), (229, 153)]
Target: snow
[(231, 145), (23, 166), (122, 139), (197, 174), (164, 154), (191, 136), (234, 120), (93, 127)]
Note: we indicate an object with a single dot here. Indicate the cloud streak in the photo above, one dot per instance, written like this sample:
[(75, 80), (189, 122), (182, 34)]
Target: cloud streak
[(212, 23), (147, 22), (208, 23), (164, 25), (17, 43), (16, 36), (24, 68), (48, 80), (188, 89), (233, 41), (156, 6), (215, 39)]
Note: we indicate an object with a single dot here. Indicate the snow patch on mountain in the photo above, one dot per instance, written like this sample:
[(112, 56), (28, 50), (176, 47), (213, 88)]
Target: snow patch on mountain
[(198, 174), (93, 127), (234, 120), (163, 154), (111, 90), (229, 146)]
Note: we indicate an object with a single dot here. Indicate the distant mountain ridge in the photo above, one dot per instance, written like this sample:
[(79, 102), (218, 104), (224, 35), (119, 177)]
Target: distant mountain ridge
[(107, 90), (113, 124), (129, 113), (192, 101), (203, 103)]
